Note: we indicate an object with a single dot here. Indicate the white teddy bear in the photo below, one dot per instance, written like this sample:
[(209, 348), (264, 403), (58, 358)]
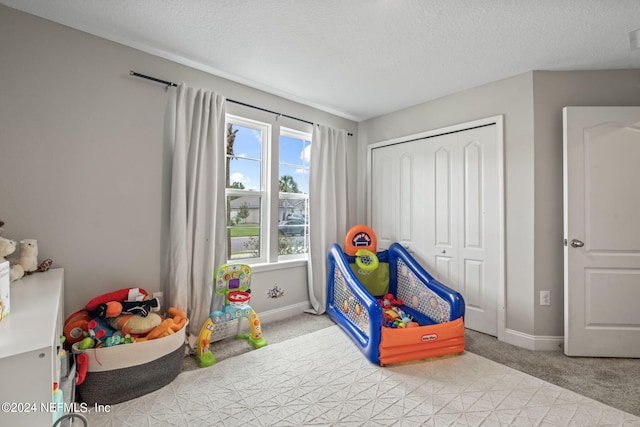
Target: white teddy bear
[(28, 255), (7, 247)]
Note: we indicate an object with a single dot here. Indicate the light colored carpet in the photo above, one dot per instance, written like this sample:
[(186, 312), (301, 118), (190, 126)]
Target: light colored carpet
[(612, 381), (274, 332), (321, 378)]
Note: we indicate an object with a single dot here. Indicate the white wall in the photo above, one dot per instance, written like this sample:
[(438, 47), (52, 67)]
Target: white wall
[(82, 165)]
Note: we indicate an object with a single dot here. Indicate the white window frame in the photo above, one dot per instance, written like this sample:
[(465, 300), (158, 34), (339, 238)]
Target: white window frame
[(265, 129), (305, 136), (272, 127)]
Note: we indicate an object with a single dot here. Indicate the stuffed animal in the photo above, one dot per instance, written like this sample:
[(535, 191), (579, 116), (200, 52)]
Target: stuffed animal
[(7, 247), (162, 330), (121, 302), (28, 255), (75, 326), (169, 326), (116, 308), (389, 301), (126, 294), (99, 331), (45, 265), (179, 318), (134, 324)]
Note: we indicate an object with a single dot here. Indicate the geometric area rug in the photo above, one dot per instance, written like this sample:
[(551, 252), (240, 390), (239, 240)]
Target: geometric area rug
[(322, 379)]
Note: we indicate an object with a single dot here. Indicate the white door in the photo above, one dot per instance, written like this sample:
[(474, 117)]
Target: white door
[(602, 231), (398, 201), (384, 200), (439, 197)]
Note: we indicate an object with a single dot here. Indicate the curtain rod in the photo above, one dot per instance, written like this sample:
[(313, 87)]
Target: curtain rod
[(172, 84)]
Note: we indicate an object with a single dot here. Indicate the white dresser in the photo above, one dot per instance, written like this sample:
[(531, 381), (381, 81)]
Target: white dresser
[(29, 350)]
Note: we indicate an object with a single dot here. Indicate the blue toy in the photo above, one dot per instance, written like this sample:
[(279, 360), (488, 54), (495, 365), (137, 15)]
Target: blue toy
[(399, 316)]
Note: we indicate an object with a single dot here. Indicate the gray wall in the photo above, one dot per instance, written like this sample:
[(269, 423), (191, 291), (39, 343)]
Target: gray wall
[(532, 107), (554, 90), (512, 97), (82, 164)]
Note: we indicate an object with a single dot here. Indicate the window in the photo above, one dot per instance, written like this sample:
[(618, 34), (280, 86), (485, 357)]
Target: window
[(293, 203), (267, 191)]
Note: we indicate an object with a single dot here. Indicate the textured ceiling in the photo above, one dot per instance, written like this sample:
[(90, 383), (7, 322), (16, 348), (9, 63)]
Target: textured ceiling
[(362, 58)]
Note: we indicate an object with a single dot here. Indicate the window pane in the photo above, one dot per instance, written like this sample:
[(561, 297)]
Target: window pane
[(244, 174), (293, 225), (303, 176), (294, 164), (243, 226), (248, 142), (244, 154)]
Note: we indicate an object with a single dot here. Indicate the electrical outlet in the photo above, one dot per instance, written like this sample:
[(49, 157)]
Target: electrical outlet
[(545, 297)]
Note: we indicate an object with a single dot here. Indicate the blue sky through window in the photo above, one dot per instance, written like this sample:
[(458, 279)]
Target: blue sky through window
[(294, 160), (245, 168)]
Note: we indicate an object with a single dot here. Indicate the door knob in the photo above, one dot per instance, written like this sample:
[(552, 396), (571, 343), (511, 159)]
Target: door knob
[(575, 243)]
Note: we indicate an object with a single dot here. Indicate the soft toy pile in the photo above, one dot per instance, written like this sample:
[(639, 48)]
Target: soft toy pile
[(121, 317), (394, 316)]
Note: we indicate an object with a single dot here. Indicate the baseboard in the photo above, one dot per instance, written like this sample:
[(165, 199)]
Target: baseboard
[(283, 312), (533, 342)]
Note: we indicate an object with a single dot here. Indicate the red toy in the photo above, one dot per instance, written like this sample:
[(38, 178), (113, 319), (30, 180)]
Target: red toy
[(126, 294), (75, 326), (389, 301), (394, 316), (82, 361)]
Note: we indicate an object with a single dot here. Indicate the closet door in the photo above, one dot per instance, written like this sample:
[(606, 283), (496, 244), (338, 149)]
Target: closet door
[(442, 188), (439, 197), (478, 227), (397, 179), (384, 198)]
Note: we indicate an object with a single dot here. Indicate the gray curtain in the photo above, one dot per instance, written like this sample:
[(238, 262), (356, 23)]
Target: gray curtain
[(197, 223), (329, 216)]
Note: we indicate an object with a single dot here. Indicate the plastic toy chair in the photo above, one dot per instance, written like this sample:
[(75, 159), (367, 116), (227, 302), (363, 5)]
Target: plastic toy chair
[(233, 281)]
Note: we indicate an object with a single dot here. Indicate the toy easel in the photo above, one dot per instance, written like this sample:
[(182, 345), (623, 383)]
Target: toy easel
[(233, 281)]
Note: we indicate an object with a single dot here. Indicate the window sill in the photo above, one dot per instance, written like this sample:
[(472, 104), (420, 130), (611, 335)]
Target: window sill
[(280, 265)]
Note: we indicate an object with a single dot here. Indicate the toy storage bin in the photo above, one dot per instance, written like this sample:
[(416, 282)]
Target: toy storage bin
[(123, 372)]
